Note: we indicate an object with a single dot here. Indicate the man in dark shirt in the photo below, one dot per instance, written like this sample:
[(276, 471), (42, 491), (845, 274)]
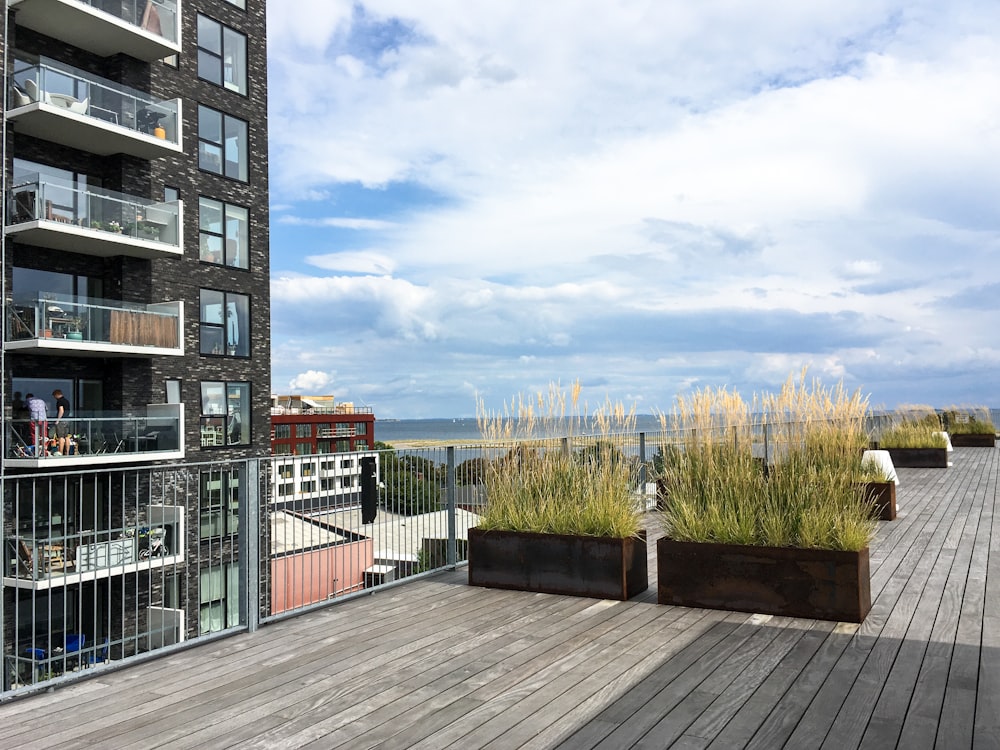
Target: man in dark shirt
[(62, 422)]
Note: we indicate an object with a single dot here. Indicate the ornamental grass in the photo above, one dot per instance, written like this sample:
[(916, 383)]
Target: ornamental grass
[(541, 483), (913, 426), (782, 470), (969, 420)]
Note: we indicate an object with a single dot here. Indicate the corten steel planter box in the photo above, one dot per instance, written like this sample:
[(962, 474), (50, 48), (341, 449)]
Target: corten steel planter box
[(967, 440), (601, 567), (883, 495), (919, 458), (814, 583)]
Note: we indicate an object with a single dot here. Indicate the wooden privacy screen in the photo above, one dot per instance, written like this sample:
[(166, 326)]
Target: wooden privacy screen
[(143, 329)]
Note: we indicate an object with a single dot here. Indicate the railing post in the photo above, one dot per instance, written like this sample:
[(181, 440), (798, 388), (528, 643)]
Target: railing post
[(642, 463), (250, 501), (450, 490)]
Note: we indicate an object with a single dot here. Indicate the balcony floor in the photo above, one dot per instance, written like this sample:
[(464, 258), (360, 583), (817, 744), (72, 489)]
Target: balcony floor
[(435, 663)]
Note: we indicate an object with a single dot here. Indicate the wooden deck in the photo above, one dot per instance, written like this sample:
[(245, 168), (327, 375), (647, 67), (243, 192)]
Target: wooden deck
[(438, 664)]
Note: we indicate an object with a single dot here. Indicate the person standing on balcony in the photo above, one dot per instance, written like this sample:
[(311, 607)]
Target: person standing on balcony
[(62, 422), (39, 422)]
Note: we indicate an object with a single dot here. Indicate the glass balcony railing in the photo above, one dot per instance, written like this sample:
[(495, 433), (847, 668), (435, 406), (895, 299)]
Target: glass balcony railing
[(54, 318), (121, 119), (104, 216), (145, 29), (102, 437)]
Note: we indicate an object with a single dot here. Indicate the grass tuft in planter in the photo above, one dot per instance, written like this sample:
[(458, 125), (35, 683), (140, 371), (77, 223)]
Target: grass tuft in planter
[(541, 484)]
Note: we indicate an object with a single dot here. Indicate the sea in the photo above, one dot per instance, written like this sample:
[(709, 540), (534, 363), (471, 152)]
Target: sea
[(463, 429)]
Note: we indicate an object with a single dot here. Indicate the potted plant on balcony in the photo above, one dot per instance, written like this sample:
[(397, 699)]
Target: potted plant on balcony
[(970, 427), (74, 333), (558, 520), (915, 438), (786, 536)]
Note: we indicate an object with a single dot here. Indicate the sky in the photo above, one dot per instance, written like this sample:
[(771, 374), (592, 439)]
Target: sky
[(473, 200)]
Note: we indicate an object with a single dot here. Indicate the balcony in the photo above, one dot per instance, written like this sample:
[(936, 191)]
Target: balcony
[(102, 439), (144, 29), (63, 325), (65, 105), (54, 553), (47, 212)]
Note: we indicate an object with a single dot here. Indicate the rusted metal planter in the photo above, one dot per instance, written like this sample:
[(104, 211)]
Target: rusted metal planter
[(600, 567), (919, 458), (973, 441), (883, 496), (813, 583)]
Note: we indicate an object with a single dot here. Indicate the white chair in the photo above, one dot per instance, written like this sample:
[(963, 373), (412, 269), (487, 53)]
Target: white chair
[(32, 88)]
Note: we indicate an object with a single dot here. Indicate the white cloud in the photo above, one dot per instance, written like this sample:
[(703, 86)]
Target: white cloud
[(335, 221), (309, 382), (354, 262)]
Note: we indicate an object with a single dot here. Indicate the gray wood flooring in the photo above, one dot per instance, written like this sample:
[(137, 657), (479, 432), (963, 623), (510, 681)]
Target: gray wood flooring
[(438, 664)]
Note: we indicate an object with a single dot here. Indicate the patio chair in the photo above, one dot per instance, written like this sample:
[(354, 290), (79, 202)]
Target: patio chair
[(101, 656)]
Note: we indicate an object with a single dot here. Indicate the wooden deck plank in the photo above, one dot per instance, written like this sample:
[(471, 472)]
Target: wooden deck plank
[(875, 643)]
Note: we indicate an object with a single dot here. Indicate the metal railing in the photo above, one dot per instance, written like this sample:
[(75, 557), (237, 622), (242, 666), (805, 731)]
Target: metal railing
[(97, 321), (105, 433), (37, 197), (85, 94), (155, 16)]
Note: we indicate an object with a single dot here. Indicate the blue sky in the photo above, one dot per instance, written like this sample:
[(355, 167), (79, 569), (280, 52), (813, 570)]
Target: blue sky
[(650, 197)]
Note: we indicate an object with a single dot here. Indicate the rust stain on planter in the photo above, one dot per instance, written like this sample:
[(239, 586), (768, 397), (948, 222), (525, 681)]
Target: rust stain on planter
[(600, 567), (818, 584)]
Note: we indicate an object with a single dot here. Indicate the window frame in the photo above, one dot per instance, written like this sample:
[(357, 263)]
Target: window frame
[(207, 144), (207, 54), (223, 346), (218, 420), (229, 220)]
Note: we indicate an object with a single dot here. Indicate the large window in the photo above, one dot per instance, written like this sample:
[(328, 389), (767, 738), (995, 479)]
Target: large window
[(219, 594), (225, 323), (242, 4), (282, 431), (219, 498), (222, 144), (224, 233), (225, 413), (222, 55)]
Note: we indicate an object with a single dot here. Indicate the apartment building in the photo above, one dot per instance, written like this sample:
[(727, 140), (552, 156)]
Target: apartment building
[(307, 434), (135, 273)]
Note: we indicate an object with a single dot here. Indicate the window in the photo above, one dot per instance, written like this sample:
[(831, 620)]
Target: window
[(222, 144), (360, 428), (348, 481), (241, 4), (328, 484), (309, 486), (308, 470), (225, 413), (361, 445), (172, 391), (282, 450), (282, 431), (323, 446), (171, 194), (222, 55), (224, 235), (219, 503), (284, 490), (219, 594), (347, 463), (286, 471), (225, 323), (304, 449), (303, 430), (343, 446)]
